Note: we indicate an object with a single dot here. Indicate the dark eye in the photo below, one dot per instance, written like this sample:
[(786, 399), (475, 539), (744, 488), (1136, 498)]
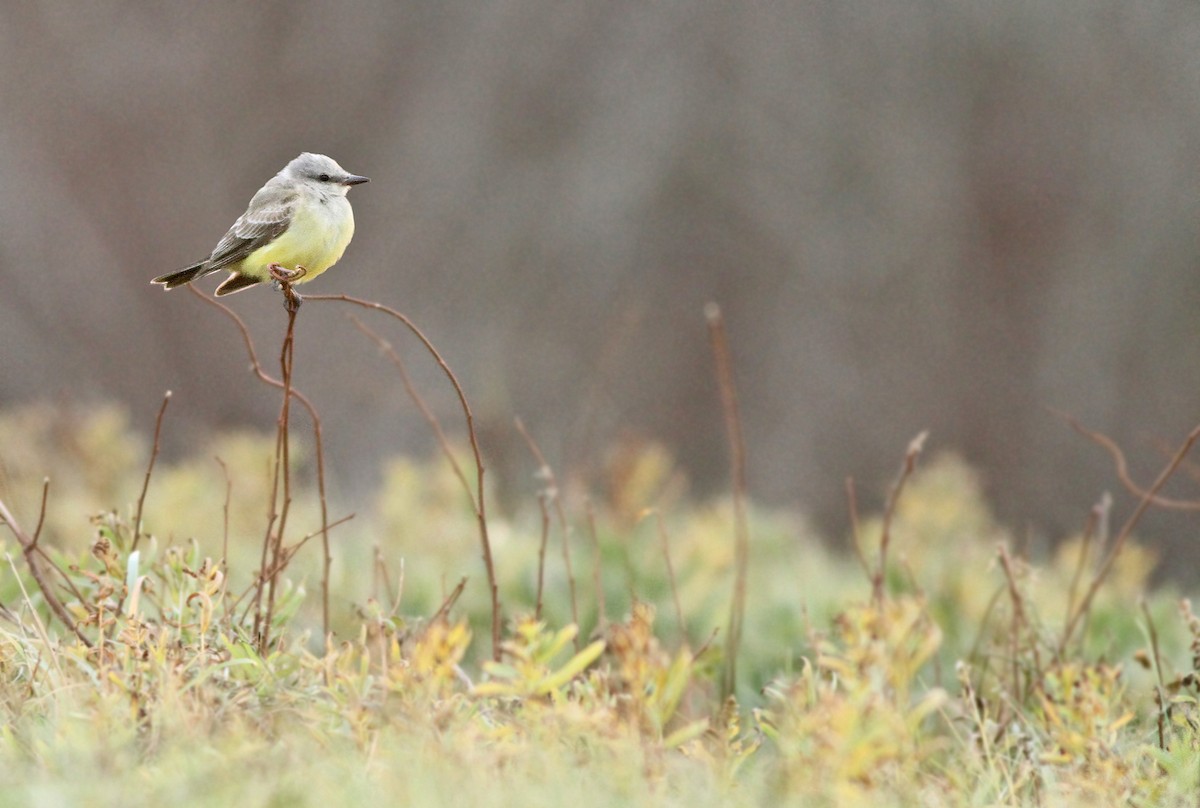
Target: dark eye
[(324, 178)]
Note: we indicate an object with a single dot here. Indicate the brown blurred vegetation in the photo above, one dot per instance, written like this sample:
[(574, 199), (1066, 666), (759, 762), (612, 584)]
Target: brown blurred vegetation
[(943, 215)]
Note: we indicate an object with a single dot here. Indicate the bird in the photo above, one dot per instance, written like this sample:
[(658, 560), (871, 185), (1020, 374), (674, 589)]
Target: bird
[(296, 227)]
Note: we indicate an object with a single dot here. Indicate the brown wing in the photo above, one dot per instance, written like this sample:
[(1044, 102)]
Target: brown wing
[(266, 219)]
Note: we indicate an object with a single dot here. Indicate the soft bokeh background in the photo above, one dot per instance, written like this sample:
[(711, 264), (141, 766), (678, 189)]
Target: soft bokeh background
[(945, 215)]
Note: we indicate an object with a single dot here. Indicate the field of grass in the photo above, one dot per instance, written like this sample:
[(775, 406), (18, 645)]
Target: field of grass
[(181, 658)]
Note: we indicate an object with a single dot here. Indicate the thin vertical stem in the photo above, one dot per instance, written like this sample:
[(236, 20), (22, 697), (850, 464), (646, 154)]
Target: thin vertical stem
[(737, 454)]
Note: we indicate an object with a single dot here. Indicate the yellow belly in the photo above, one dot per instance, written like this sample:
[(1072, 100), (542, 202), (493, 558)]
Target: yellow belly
[(315, 240)]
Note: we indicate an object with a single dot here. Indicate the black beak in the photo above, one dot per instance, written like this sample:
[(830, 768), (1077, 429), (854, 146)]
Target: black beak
[(354, 179)]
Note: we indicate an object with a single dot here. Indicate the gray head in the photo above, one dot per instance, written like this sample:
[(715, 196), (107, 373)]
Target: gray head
[(323, 171)]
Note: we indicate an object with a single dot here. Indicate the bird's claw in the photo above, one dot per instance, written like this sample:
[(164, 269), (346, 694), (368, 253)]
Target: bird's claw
[(282, 279), (281, 274)]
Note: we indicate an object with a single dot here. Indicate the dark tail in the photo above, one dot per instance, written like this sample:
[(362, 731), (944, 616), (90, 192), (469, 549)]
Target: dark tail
[(236, 283), (182, 276)]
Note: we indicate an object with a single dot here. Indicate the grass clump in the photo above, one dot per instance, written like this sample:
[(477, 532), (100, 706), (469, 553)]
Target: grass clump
[(954, 682)]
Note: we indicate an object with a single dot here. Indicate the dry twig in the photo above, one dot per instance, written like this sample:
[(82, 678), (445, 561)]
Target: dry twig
[(1148, 498), (915, 447), (257, 369), (478, 502), (737, 452), (137, 520), (553, 493), (30, 549)]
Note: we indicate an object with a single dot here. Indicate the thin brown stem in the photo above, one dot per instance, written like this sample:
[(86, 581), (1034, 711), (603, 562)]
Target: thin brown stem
[(449, 602), (66, 583), (434, 424), (665, 540), (1095, 526), (318, 438), (137, 519), (283, 474), (598, 570), (264, 563), (292, 549), (915, 447), (553, 493), (855, 531), (975, 656), (399, 589), (1020, 623), (480, 502), (706, 644), (1122, 468), (1160, 684), (37, 625), (225, 514), (381, 583), (37, 531), (541, 569), (737, 452), (30, 550), (1188, 468), (1149, 497), (289, 552)]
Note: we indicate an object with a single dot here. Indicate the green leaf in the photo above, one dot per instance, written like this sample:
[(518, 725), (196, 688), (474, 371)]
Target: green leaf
[(573, 668)]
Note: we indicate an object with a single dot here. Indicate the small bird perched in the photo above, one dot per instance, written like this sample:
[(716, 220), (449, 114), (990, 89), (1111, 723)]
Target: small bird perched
[(296, 227)]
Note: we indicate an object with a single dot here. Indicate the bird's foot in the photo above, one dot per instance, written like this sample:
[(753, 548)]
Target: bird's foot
[(291, 300), (282, 279), (281, 274)]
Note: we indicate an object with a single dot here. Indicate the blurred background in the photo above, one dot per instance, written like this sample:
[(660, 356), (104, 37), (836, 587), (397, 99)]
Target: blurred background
[(943, 215)]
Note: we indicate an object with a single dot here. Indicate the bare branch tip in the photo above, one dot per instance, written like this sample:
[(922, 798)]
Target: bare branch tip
[(918, 443)]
